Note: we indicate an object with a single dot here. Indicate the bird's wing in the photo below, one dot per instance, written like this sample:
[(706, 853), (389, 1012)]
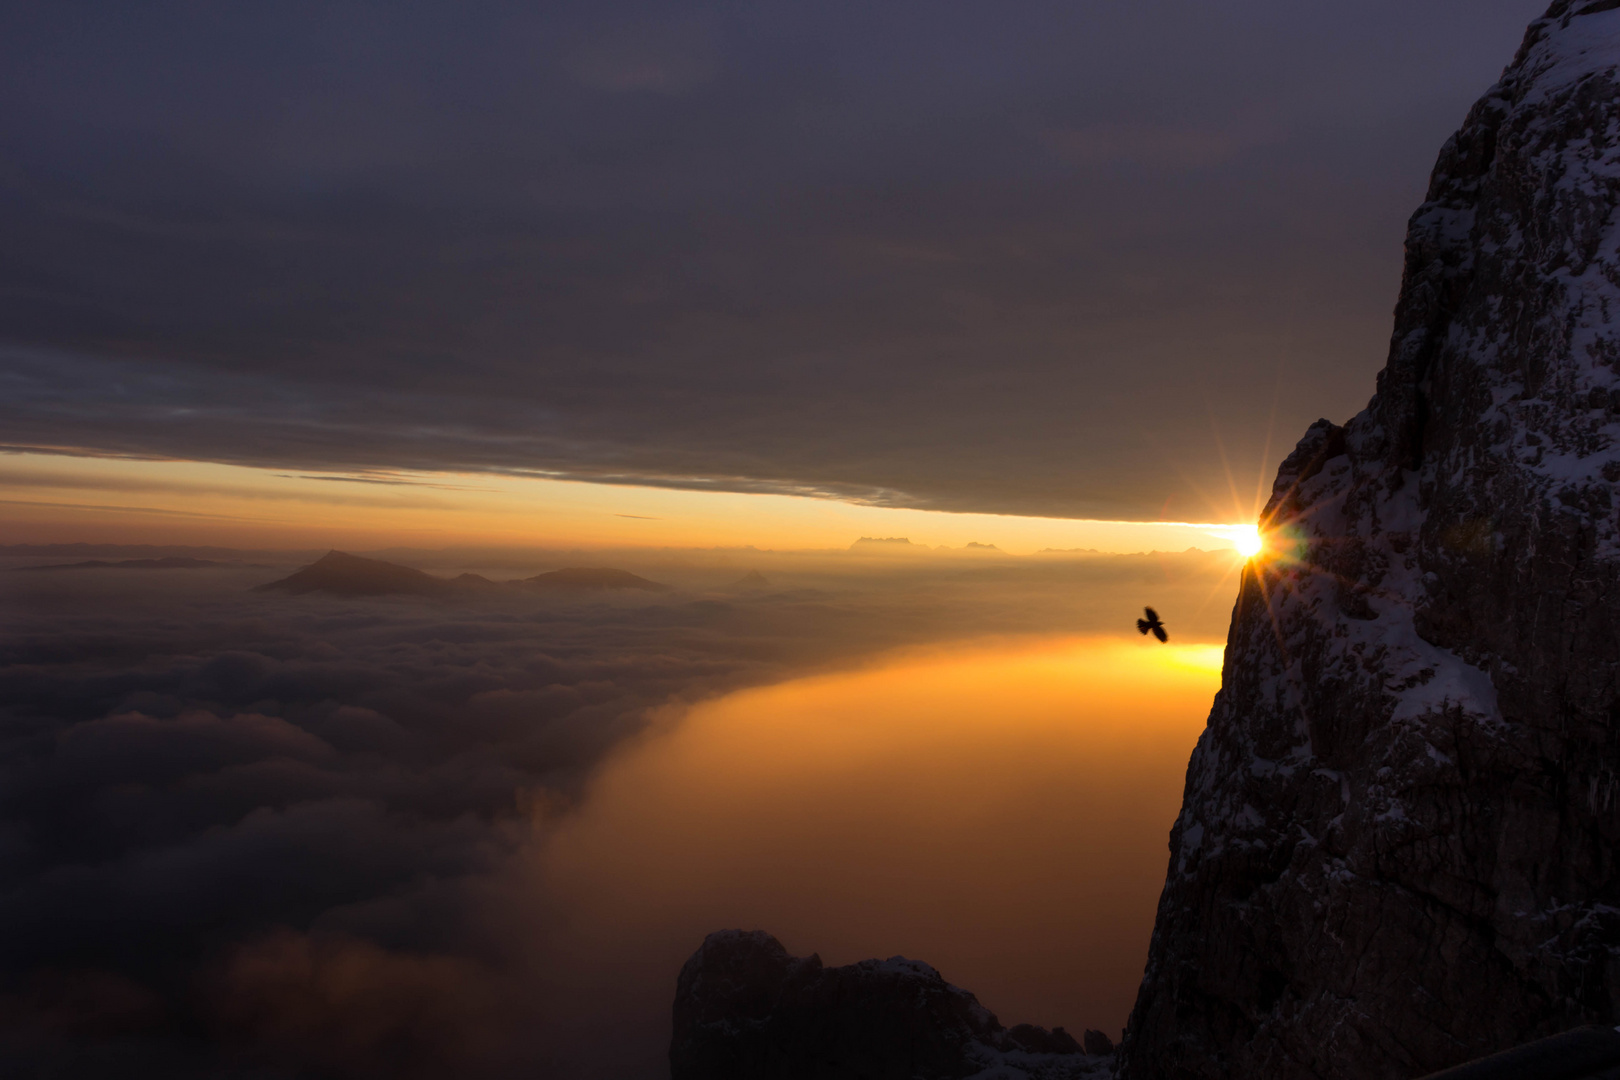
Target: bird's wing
[(1143, 626), (1153, 616), (1158, 632)]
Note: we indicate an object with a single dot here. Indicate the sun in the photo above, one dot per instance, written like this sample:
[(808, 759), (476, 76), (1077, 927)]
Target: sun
[(1247, 541)]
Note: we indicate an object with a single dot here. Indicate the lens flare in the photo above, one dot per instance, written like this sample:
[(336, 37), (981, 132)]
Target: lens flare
[(1248, 541)]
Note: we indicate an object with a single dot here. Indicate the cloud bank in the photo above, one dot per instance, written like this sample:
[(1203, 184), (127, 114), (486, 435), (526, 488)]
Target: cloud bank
[(1047, 262), (251, 834)]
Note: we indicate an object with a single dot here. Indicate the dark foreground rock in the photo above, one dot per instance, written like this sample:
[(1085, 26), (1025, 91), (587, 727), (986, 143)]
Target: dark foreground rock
[(746, 1010), (1585, 1053), (1399, 846)]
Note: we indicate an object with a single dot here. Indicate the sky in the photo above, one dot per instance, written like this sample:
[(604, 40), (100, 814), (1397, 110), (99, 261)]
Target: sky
[(915, 347), (63, 499), (1100, 261)]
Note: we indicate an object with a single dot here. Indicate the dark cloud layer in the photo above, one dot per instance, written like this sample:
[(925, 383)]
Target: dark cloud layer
[(264, 836), (1044, 259)]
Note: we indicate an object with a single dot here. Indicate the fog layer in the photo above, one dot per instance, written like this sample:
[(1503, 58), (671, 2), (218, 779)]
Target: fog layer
[(315, 836), (999, 810)]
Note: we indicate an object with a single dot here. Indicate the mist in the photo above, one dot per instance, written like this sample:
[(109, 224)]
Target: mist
[(254, 834)]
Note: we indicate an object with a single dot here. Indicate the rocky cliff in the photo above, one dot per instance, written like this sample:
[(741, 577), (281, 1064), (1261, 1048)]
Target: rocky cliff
[(1398, 844), (746, 1010)]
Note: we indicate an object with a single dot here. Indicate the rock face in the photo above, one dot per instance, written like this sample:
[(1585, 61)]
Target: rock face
[(1399, 840), (746, 1010)]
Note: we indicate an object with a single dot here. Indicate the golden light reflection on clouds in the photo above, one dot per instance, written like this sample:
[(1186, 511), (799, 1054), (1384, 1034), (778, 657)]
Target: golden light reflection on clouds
[(57, 498), (1000, 810)]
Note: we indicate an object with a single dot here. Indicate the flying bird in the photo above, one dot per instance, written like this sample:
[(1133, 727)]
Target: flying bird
[(1152, 623)]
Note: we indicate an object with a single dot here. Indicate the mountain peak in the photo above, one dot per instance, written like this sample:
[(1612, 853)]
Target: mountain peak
[(750, 581), (1395, 851), (342, 574), (594, 579)]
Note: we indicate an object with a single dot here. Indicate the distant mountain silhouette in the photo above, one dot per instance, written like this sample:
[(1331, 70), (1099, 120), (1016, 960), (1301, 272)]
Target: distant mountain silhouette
[(751, 580), (230, 556), (342, 574), (338, 573), (888, 545), (173, 562), (593, 578), (477, 583)]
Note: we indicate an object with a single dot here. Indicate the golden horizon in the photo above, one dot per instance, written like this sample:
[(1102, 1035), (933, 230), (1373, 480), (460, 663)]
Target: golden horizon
[(59, 498)]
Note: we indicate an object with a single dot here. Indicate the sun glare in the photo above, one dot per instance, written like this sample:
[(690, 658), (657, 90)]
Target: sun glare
[(834, 809), (1248, 542)]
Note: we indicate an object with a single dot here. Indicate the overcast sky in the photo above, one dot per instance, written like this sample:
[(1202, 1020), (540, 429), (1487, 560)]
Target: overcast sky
[(1069, 259), (1043, 258)]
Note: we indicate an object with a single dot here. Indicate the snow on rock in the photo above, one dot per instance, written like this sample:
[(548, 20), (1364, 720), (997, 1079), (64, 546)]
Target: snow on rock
[(1398, 844)]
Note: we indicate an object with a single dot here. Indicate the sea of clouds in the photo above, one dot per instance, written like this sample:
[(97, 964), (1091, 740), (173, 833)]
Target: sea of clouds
[(246, 834)]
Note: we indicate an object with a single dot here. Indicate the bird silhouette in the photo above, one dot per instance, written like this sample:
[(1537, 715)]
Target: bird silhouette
[(1152, 623)]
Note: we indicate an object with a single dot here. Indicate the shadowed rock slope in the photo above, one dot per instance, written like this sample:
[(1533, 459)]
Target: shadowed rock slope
[(1398, 844), (746, 1010)]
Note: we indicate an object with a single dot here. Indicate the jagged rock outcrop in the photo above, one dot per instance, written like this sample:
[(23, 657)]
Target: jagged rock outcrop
[(1399, 840), (746, 1010)]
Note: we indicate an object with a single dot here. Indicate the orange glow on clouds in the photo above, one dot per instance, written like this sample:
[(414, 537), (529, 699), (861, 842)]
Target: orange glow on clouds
[(46, 498), (999, 810)]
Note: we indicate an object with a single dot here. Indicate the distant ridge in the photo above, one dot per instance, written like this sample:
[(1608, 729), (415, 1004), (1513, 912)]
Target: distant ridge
[(750, 581), (337, 573), (150, 551), (168, 563), (888, 545), (342, 574), (593, 578)]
